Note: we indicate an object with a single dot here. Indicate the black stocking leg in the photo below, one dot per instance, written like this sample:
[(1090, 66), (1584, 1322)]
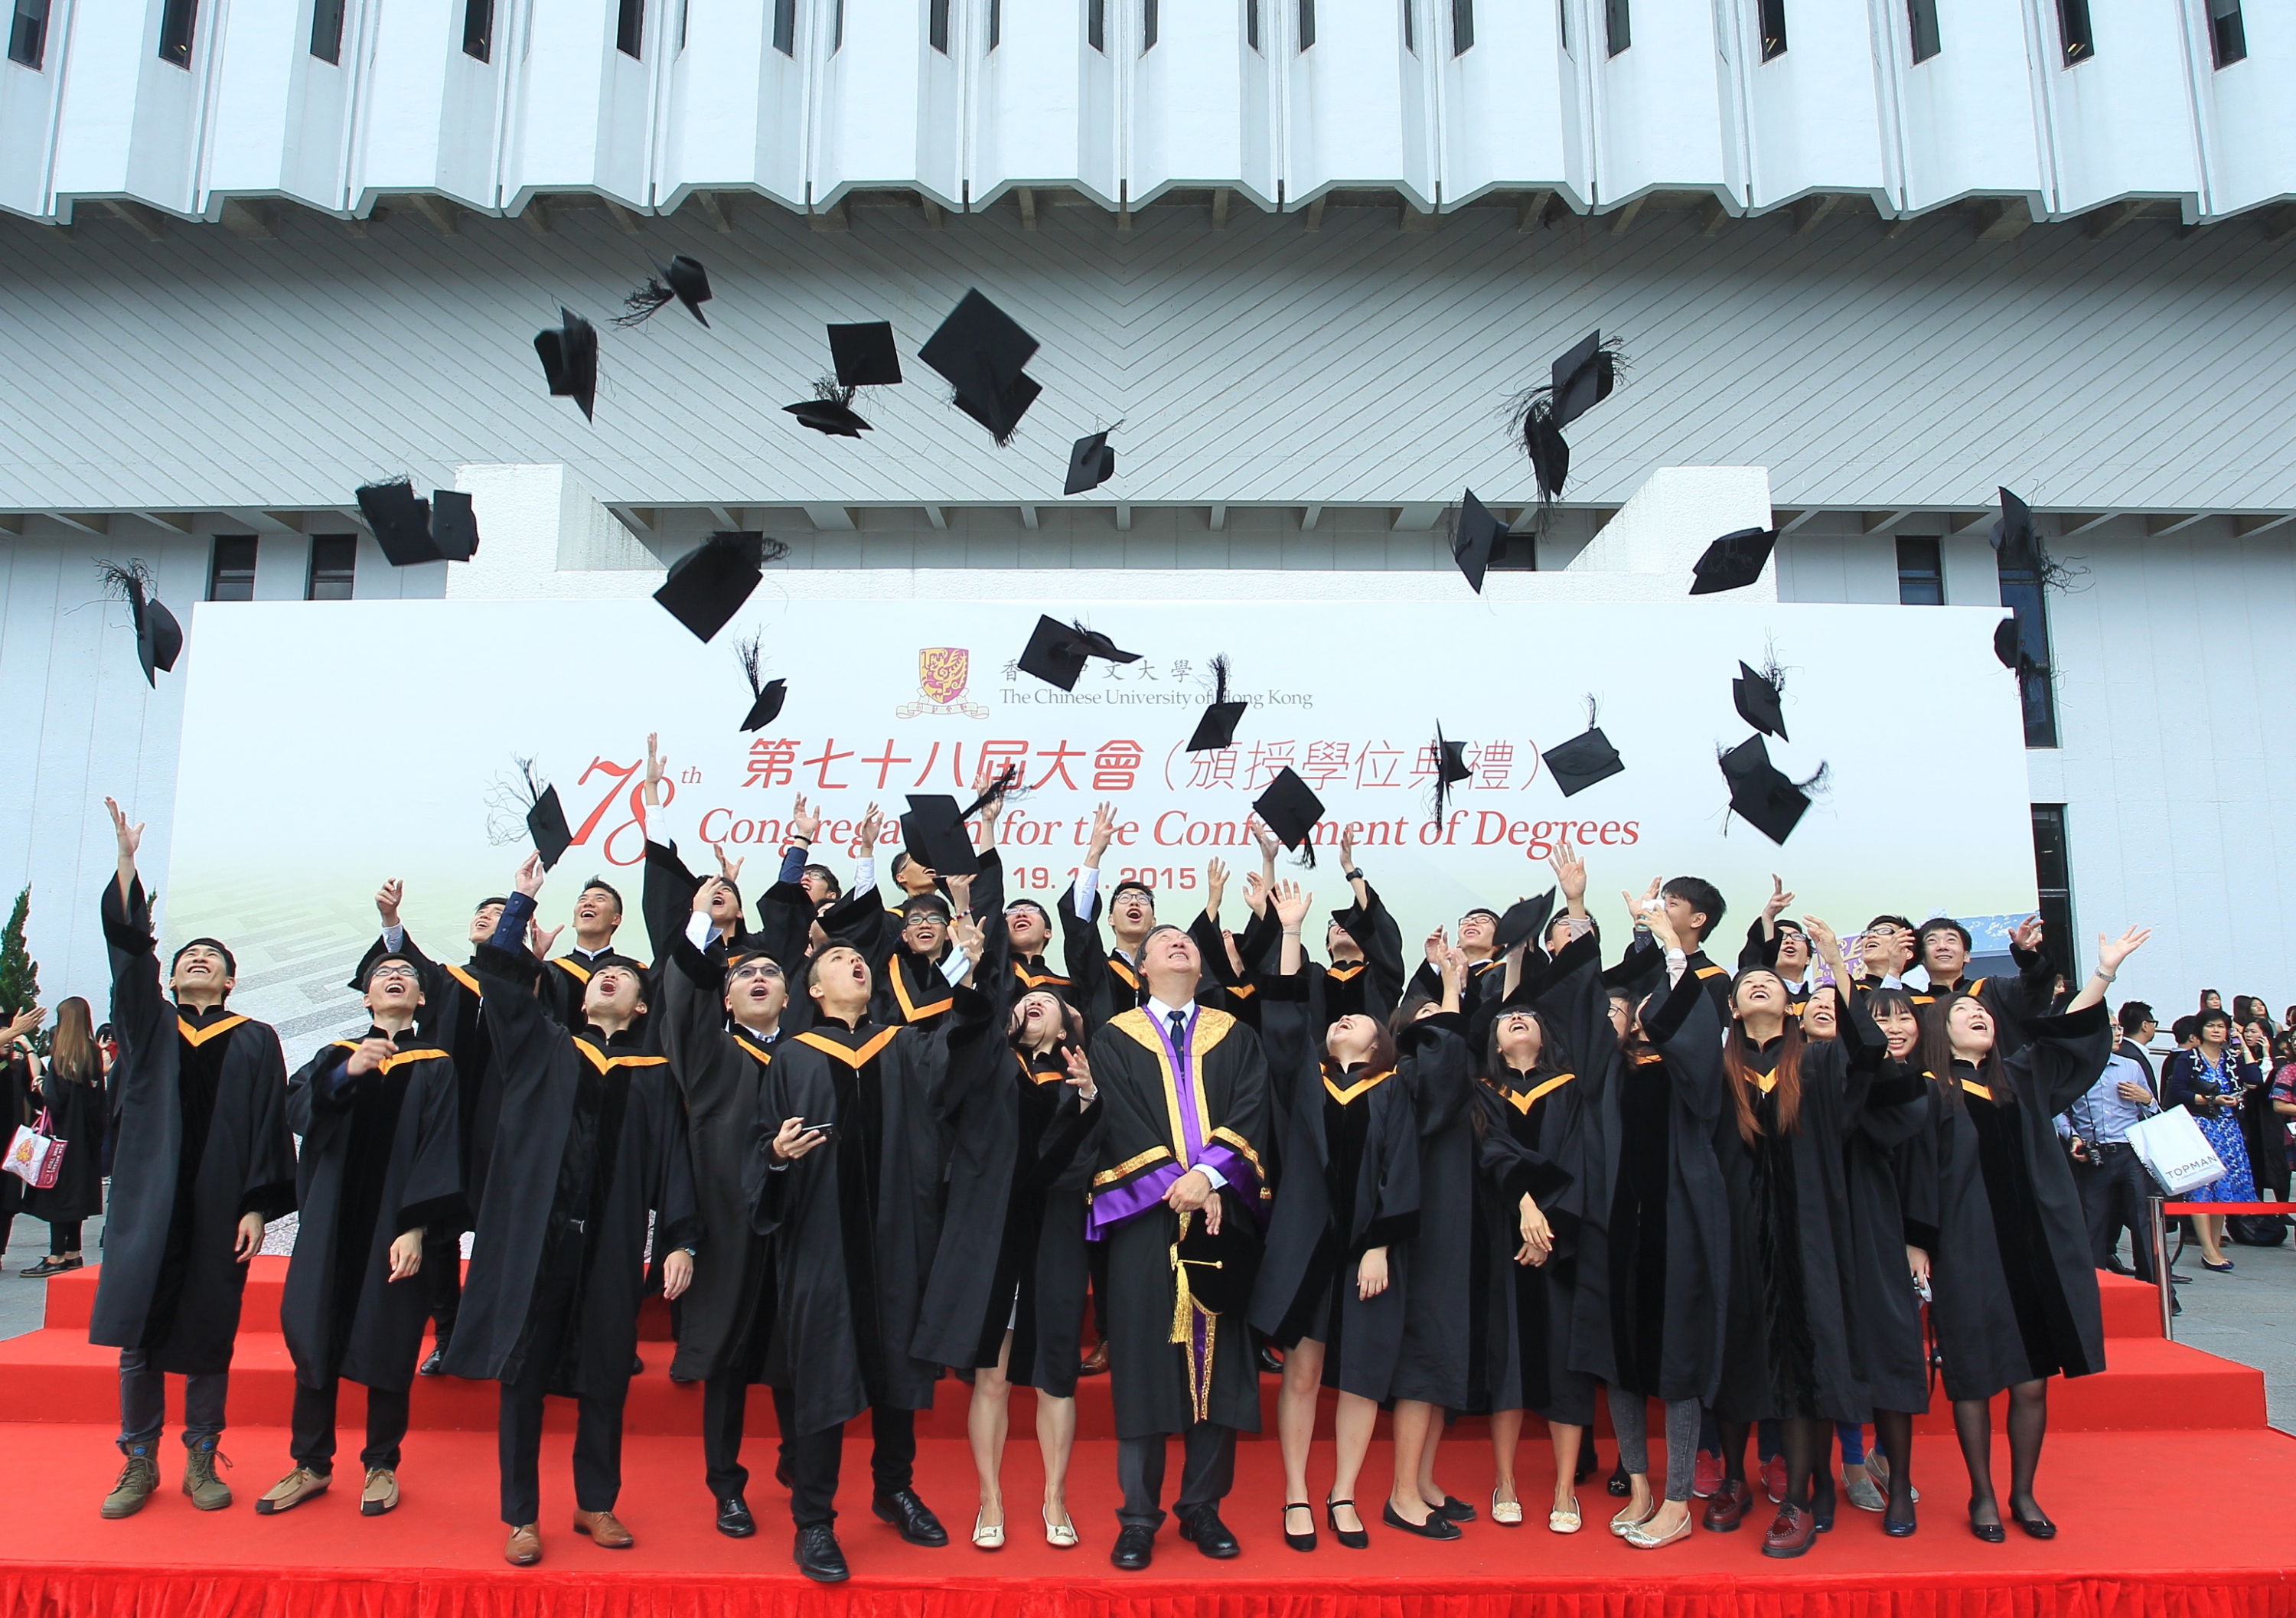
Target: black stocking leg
[(1973, 1423), (1808, 1461), (2028, 1424), (1893, 1430), (1734, 1450)]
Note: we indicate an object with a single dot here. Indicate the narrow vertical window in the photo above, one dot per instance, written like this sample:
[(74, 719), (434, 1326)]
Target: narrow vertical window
[(1617, 26), (2023, 592), (327, 31), (1563, 24), (1147, 26), (2227, 36), (1410, 35), (996, 23), (684, 15), (2073, 24), (629, 29), (936, 25), (479, 28), (2053, 876), (28, 34), (1773, 14), (334, 559), (1463, 27), (1096, 24), (1307, 23), (177, 20), (837, 27), (231, 568), (1251, 23), (1921, 572), (786, 27), (1921, 16)]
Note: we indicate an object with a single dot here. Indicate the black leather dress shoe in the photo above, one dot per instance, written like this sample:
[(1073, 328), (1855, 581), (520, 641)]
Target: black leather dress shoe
[(1136, 1548), (1271, 1363), (1436, 1527), (1211, 1536), (906, 1512), (733, 1518), (434, 1363), (819, 1556)]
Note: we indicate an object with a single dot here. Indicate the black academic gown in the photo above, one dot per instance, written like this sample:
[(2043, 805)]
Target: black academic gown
[(1028, 972), (378, 1159), (2016, 1003), (451, 1019), (76, 1116), (1486, 984), (592, 1128), (1156, 1388), (1351, 1185), (1373, 985), (565, 980), (854, 1223), (1891, 1355), (2016, 1296), (726, 1317), (1435, 1362), (1105, 983), (202, 1141)]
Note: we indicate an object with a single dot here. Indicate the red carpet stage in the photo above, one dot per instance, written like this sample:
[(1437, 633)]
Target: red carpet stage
[(2125, 1448)]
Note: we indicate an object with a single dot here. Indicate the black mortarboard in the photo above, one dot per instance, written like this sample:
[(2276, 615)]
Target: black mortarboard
[(708, 585), (2006, 643), (766, 696), (453, 525), (1583, 378), (1472, 539), (1550, 455), (683, 278), (159, 637), (1525, 919), (1290, 809), (1756, 694), (1450, 768), (933, 833), (545, 822), (981, 351), (1762, 793), (1056, 651), (864, 354), (1217, 728), (1733, 562), (831, 411), (570, 359), (411, 530), (2012, 536), (1584, 758), (1091, 463)]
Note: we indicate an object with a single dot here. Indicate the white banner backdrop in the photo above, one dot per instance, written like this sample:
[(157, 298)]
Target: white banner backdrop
[(328, 748)]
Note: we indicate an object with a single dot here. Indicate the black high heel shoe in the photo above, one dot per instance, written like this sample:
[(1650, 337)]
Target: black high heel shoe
[(1300, 1541), (1992, 1533), (1352, 1539)]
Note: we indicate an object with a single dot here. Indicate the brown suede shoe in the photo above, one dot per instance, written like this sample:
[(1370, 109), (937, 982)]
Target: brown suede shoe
[(380, 1493), (605, 1530), (525, 1547), (291, 1491)]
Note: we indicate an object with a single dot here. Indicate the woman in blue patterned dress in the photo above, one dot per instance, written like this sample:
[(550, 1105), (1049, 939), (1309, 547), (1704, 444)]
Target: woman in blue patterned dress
[(2209, 1079)]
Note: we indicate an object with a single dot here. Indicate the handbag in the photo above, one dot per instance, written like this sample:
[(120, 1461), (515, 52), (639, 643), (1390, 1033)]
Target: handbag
[(2175, 1153), (36, 1157)]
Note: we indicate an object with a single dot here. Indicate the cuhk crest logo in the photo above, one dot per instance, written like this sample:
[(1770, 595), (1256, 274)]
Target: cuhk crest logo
[(943, 673)]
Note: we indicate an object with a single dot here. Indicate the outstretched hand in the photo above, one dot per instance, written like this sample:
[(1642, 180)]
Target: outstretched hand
[(1569, 872), (2111, 951), (803, 822), (1292, 903), (387, 899), (528, 880), (2027, 935)]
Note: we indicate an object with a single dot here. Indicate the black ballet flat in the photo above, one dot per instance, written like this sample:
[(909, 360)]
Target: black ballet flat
[(1897, 1530), (1436, 1527), (1356, 1539), (1300, 1541), (1992, 1533), (1456, 1509), (2039, 1528)]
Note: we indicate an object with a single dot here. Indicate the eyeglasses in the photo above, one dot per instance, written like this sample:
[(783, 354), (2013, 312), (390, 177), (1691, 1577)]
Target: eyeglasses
[(753, 969), (406, 973)]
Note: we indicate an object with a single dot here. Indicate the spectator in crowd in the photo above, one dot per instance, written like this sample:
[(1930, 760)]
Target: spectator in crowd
[(72, 1088), (2209, 1077), (2248, 1008), (2211, 1000), (17, 1104), (2114, 1188), (2266, 1134)]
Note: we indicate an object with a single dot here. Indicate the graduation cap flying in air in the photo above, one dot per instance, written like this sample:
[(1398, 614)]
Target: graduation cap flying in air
[(1763, 793), (1091, 463), (2008, 643), (1576, 382), (1733, 562), (570, 359), (1584, 758), (1525, 920), (682, 279), (546, 817), (766, 696), (1475, 535), (2013, 538), (708, 585), (1217, 728), (1450, 769), (1290, 808), (1056, 651), (1757, 693), (863, 355), (411, 529), (159, 637), (933, 833), (980, 352)]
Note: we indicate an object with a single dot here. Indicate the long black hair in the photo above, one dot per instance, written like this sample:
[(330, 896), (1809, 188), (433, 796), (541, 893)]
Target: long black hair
[(1937, 1053)]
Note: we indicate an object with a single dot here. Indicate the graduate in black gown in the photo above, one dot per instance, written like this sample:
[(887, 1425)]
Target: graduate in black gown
[(380, 1165), (69, 1087), (1332, 1287), (2016, 1296), (845, 1175), (451, 1019), (204, 1162), (591, 1141), (1004, 1300), (1944, 945), (1184, 1099)]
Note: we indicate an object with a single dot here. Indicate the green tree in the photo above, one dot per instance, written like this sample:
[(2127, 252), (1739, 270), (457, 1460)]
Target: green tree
[(20, 974)]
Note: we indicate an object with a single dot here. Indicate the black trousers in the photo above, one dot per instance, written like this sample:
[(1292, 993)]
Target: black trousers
[(814, 1459), (313, 1445), (442, 1279), (63, 1237), (1208, 1470), (598, 1424), (725, 1407), (2115, 1193)]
